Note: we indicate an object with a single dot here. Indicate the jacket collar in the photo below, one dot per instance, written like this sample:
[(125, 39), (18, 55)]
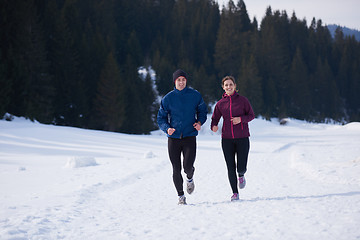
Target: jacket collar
[(227, 96), (182, 91)]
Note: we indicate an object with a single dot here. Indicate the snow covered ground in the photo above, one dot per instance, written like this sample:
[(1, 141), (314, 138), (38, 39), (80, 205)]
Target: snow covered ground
[(303, 182)]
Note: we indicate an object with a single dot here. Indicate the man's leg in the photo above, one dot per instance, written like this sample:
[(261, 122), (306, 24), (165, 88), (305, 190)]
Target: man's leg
[(174, 149), (189, 153)]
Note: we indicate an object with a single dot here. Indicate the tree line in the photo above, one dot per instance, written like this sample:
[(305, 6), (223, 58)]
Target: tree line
[(76, 62)]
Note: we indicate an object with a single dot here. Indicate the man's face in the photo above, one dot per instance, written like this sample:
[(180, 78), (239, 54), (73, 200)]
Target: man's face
[(180, 83)]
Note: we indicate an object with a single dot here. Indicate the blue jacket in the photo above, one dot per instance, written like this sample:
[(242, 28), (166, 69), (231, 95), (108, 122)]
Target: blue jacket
[(180, 110)]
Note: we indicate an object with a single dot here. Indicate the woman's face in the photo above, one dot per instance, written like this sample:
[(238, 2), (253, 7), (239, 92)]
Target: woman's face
[(229, 87)]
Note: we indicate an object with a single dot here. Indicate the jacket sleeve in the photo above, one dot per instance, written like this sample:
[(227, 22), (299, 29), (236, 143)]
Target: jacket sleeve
[(215, 118), (249, 113), (201, 111), (163, 117)]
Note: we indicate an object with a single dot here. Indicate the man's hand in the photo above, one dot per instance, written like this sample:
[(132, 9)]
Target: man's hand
[(197, 126), (170, 131)]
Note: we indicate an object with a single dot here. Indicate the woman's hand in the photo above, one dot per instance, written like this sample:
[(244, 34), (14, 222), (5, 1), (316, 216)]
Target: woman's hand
[(236, 120), (214, 128)]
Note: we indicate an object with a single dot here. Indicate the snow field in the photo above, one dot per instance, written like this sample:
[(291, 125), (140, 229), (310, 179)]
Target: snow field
[(69, 183)]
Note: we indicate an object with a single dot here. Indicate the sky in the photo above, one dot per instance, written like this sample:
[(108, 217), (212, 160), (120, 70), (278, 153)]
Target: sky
[(343, 13)]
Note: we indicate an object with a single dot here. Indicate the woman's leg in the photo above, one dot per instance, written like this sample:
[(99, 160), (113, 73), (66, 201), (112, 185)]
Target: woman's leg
[(242, 150), (228, 148)]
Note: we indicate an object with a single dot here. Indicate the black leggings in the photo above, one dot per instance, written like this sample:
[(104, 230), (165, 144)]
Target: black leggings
[(240, 147), (187, 147)]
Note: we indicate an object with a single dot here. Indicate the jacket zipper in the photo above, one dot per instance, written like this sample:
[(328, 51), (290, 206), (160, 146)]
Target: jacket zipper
[(231, 123)]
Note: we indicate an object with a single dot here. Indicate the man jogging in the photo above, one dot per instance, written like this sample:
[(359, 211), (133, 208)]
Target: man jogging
[(182, 113)]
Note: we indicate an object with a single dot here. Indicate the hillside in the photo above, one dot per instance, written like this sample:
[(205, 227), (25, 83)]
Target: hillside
[(346, 31)]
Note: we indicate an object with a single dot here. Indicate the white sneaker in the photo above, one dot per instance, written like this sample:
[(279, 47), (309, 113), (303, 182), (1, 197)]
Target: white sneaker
[(235, 197), (182, 200), (242, 182), (190, 186)]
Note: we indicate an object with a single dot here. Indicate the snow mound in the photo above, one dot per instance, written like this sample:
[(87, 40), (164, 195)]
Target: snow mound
[(21, 169), (149, 154), (352, 126), (11, 118), (78, 162)]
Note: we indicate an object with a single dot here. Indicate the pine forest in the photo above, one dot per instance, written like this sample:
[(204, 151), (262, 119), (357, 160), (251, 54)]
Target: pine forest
[(76, 62)]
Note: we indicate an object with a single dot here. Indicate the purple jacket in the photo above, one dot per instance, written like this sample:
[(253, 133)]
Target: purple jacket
[(233, 106)]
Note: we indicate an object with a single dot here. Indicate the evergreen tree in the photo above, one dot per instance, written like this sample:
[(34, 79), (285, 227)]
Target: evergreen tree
[(311, 50), (299, 100), (273, 58), (5, 81), (250, 84), (337, 47), (164, 70), (92, 56), (52, 54), (344, 69), (323, 41), (326, 99), (231, 40), (70, 103), (270, 94), (41, 89), (298, 37), (5, 90), (27, 68), (134, 107), (110, 98), (348, 75), (205, 83), (150, 105)]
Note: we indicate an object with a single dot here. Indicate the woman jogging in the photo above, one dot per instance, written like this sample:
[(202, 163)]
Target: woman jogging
[(236, 112)]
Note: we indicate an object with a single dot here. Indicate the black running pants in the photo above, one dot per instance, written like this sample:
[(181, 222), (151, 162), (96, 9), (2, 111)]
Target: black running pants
[(187, 147), (239, 147)]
